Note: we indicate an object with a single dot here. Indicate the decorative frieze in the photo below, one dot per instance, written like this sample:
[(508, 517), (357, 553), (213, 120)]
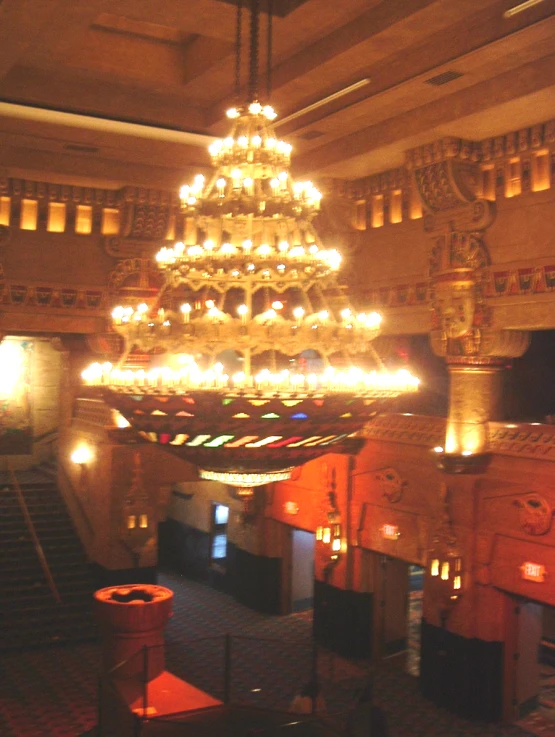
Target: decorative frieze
[(524, 440), (47, 296), (451, 171), (521, 280), (412, 429)]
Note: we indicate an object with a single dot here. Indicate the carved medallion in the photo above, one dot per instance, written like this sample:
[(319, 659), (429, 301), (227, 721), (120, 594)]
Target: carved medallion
[(535, 514), (391, 484)]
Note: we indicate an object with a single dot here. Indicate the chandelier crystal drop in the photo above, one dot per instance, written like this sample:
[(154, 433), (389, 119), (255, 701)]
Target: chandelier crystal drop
[(259, 336)]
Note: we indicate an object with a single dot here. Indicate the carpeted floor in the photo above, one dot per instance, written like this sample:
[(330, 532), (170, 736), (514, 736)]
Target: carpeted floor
[(52, 693)]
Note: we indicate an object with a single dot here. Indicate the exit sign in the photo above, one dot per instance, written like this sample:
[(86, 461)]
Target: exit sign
[(533, 572), (390, 532)]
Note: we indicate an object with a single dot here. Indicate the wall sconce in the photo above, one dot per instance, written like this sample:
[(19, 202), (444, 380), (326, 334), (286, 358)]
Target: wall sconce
[(81, 455), (444, 571), (329, 537), (138, 523)]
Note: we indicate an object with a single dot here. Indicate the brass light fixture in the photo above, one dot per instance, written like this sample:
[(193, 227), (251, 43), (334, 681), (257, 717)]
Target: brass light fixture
[(258, 333)]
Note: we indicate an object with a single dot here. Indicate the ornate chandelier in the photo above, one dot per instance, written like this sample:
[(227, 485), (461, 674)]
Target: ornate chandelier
[(259, 378)]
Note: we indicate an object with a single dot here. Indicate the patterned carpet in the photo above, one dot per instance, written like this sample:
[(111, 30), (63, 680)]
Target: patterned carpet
[(52, 693)]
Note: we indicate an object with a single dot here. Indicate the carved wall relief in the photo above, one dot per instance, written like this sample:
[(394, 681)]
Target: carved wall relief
[(535, 514), (391, 484)]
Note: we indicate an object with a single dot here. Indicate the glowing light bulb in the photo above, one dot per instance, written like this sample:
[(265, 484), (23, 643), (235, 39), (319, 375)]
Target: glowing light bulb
[(232, 112), (186, 310), (255, 108)]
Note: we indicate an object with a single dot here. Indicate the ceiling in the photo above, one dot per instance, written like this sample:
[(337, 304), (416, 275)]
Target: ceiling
[(427, 68)]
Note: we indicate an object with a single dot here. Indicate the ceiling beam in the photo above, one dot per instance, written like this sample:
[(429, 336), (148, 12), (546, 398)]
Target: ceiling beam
[(325, 49), (448, 46), (513, 84)]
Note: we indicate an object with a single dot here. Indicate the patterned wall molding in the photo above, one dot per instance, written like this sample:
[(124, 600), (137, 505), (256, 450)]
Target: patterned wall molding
[(513, 280), (524, 440), (412, 429)]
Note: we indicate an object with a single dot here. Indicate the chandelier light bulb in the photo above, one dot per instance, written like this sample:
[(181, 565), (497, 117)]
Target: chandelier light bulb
[(255, 108), (232, 113)]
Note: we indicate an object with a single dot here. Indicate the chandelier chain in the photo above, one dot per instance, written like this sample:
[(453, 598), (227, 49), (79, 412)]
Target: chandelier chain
[(238, 31), (269, 50), (253, 66)]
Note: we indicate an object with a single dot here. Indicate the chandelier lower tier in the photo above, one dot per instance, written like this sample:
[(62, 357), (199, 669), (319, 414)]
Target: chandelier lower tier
[(228, 434)]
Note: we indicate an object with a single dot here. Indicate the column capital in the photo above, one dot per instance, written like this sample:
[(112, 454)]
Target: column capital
[(480, 346)]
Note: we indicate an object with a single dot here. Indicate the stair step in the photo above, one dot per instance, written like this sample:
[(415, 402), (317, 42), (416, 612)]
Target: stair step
[(30, 616)]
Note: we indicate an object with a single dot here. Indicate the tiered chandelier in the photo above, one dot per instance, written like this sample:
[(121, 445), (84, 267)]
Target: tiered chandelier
[(260, 377)]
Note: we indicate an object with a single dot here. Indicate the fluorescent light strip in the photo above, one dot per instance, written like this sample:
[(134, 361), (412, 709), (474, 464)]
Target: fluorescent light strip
[(326, 100), (519, 8), (103, 125)]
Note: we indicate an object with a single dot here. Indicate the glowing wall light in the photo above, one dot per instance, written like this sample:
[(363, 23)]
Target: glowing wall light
[(11, 367), (81, 455)]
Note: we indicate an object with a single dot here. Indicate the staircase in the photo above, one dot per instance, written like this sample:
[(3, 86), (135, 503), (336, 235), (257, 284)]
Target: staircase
[(30, 615)]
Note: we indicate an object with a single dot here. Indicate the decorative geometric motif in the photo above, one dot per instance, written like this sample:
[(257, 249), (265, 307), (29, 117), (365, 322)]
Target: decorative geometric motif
[(257, 432), (427, 431)]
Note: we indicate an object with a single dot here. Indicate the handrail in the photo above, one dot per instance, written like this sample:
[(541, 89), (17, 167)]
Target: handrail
[(75, 498), (45, 435), (34, 537)]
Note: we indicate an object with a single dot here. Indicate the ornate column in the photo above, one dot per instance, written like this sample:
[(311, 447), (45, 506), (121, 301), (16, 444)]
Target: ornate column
[(463, 329), (464, 624)]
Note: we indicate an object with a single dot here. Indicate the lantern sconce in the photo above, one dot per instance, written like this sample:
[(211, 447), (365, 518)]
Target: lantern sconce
[(330, 535), (445, 571)]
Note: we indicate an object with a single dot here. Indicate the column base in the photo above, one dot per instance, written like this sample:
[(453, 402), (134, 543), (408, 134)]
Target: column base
[(464, 675), (343, 620)]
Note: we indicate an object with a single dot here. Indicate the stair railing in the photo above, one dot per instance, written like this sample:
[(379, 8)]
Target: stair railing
[(34, 537)]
